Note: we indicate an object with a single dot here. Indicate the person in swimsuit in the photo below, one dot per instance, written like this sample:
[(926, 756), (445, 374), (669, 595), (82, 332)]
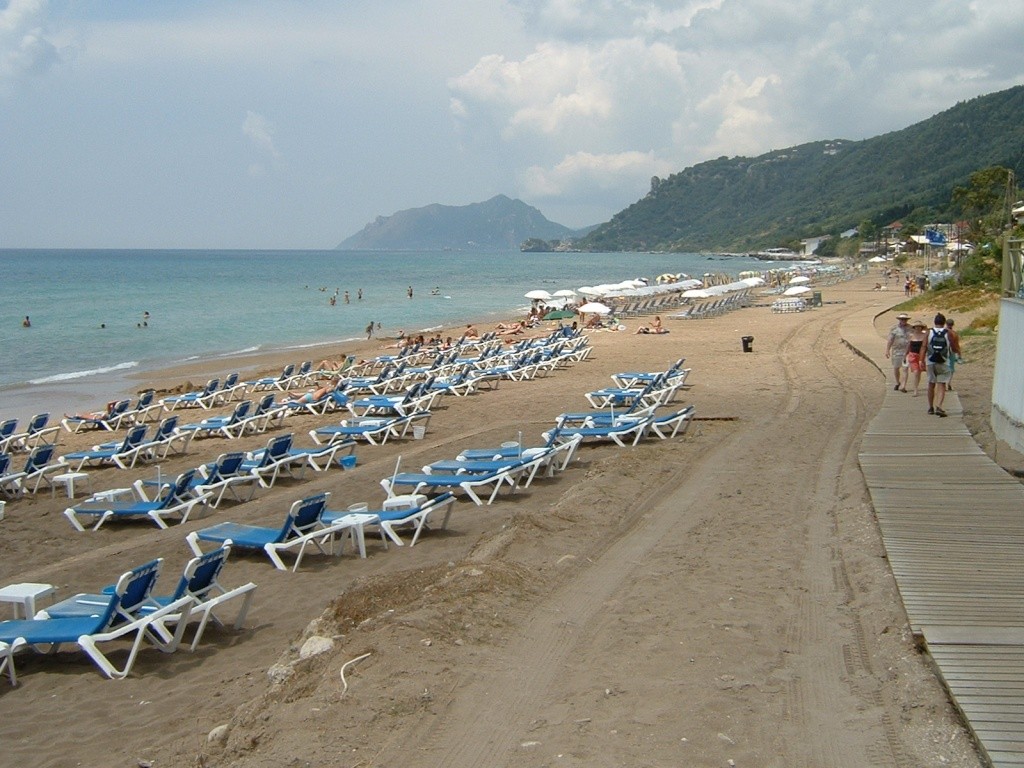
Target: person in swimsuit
[(314, 395), (913, 356)]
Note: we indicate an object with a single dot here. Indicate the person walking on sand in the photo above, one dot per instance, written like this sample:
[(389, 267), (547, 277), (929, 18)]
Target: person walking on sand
[(935, 357), (896, 349), (369, 330)]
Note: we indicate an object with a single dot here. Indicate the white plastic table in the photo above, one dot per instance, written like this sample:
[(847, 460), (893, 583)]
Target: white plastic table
[(25, 595), (354, 524), (68, 479)]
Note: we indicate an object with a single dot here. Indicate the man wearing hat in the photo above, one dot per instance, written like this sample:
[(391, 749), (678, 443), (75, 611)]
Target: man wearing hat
[(896, 349)]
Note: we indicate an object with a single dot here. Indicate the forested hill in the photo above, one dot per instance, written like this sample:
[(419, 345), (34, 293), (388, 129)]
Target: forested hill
[(742, 203), (498, 223)]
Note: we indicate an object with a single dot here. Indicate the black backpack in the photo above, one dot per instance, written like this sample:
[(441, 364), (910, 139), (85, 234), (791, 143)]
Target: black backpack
[(938, 346)]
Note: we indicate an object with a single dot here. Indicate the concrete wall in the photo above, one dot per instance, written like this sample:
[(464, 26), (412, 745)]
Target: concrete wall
[(1008, 380)]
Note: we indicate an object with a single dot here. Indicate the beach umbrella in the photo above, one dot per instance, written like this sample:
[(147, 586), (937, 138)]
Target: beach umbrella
[(753, 282), (796, 290), (595, 307), (696, 293), (565, 293), (876, 260), (559, 314), (538, 294), (588, 290), (668, 277), (799, 279)]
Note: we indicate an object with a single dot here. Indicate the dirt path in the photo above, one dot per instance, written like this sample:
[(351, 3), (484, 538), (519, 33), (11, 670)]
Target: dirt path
[(745, 618)]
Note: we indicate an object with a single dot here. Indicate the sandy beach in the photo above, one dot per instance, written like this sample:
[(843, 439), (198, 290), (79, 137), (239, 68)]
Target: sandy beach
[(718, 599)]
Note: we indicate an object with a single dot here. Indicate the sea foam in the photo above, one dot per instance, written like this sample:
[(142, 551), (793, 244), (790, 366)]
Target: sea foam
[(84, 374)]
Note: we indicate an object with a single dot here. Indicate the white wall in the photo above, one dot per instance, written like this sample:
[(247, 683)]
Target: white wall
[(1008, 381)]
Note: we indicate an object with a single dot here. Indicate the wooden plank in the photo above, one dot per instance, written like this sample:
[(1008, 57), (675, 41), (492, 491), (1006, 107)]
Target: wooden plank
[(952, 524)]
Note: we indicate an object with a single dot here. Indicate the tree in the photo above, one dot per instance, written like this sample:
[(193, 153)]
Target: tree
[(867, 230), (981, 202)]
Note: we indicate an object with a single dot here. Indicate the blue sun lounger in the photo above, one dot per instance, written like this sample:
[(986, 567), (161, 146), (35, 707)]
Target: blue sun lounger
[(116, 619), (508, 472), (123, 454), (302, 526), (619, 432), (199, 583), (417, 516), (175, 501), (116, 412), (230, 426), (204, 398)]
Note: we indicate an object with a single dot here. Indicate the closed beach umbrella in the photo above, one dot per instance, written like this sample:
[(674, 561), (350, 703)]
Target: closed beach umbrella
[(799, 279), (538, 294), (796, 290)]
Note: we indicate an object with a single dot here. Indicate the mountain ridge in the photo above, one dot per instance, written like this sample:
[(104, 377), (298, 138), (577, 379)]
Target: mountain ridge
[(499, 223), (743, 203)]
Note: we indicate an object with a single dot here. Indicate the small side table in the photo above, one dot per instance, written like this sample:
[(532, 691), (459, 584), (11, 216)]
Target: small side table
[(25, 595), (68, 481), (354, 523)]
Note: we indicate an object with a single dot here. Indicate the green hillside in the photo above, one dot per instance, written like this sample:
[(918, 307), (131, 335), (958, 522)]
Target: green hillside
[(742, 203)]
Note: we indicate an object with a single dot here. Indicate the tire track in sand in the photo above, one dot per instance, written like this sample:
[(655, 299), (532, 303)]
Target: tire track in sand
[(467, 734)]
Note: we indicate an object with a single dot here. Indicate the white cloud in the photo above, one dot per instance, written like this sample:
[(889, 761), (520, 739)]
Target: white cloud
[(260, 132), (585, 174), (741, 112), (24, 46), (569, 91)]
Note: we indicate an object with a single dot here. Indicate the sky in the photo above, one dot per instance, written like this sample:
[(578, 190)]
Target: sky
[(218, 124)]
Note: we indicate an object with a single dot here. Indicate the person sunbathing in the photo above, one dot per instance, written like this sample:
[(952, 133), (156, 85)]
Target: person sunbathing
[(95, 415), (313, 396), (331, 365)]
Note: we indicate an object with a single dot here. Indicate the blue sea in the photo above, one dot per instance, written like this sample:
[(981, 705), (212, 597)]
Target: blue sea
[(90, 328)]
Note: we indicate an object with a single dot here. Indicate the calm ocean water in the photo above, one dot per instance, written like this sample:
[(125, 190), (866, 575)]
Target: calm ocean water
[(221, 303)]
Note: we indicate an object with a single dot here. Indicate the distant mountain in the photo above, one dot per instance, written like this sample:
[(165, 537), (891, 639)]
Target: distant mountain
[(496, 224), (742, 203)]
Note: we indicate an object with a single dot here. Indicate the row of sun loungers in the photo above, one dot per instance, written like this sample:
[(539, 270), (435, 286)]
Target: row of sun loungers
[(128, 611), (376, 415), (39, 432), (704, 309)]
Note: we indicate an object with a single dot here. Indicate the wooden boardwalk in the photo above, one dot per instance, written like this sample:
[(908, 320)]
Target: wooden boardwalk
[(952, 522)]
